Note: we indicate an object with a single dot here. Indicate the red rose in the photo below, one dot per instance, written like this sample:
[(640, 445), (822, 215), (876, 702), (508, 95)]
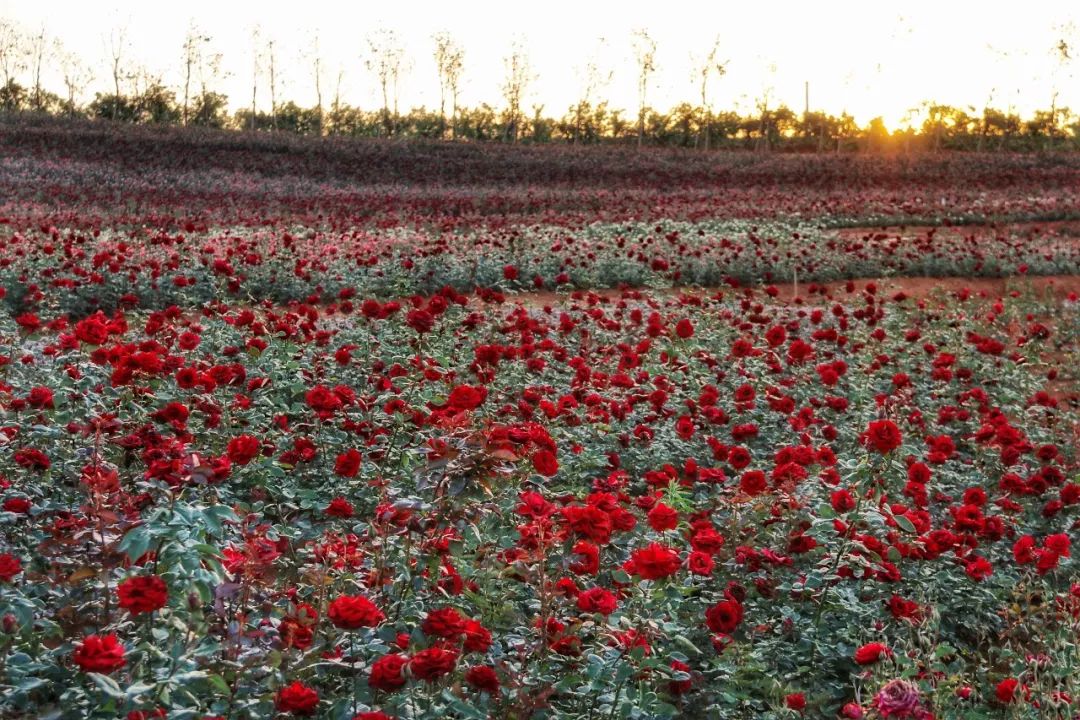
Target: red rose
[(799, 351), (979, 568), (1059, 544), (295, 633), (432, 664), (842, 501), (242, 449), (1006, 690), (32, 459), (339, 507), (386, 672), (795, 701), (348, 463), (322, 399), (597, 600), (350, 612), (871, 653), (298, 699), (852, 711), (510, 272), (680, 687), (588, 562), (40, 398), (1024, 550), (477, 637), (444, 623), (17, 505), (483, 678), (776, 336), (10, 566), (466, 397), (882, 435), (903, 609), (752, 482), (92, 330), (142, 593), (724, 616), (700, 563), (739, 457), (654, 562), (662, 518), (100, 654), (373, 715), (684, 329), (420, 320), (544, 462)]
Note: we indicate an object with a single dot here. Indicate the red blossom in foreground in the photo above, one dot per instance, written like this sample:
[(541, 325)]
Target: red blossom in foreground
[(298, 699), (10, 566), (483, 678), (724, 617), (351, 612), (142, 594), (432, 664), (654, 562), (883, 436), (99, 653), (544, 462), (871, 653), (339, 507), (387, 672)]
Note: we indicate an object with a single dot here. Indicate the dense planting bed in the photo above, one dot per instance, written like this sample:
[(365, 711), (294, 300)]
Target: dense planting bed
[(276, 437)]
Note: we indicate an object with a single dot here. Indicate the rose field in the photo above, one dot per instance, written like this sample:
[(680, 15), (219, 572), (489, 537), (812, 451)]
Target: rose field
[(374, 429)]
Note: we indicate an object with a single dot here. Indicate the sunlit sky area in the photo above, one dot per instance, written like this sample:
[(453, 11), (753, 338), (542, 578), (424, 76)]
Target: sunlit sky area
[(867, 58)]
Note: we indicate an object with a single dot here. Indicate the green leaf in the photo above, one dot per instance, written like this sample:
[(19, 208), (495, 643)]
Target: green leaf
[(684, 643), (218, 683), (136, 542), (138, 689), (905, 524), (108, 685)]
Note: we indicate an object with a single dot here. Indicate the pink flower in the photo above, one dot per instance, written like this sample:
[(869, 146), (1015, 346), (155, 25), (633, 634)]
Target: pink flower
[(899, 698)]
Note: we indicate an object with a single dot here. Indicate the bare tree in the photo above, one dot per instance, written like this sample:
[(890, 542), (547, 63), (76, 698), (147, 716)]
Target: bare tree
[(515, 83), (450, 62), (704, 68), (645, 54), (272, 58), (76, 74), (254, 71), (763, 101), (592, 81), (13, 53), (335, 108), (1064, 52), (37, 50), (117, 49), (386, 59), (317, 70), (194, 44)]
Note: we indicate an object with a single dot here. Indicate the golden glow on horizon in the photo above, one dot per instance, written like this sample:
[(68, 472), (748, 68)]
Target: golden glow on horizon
[(868, 59)]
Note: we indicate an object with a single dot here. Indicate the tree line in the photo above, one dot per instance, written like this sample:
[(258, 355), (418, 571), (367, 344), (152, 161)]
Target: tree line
[(131, 93)]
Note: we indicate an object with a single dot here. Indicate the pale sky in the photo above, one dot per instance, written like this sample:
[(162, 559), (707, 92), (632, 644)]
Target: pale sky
[(869, 58)]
